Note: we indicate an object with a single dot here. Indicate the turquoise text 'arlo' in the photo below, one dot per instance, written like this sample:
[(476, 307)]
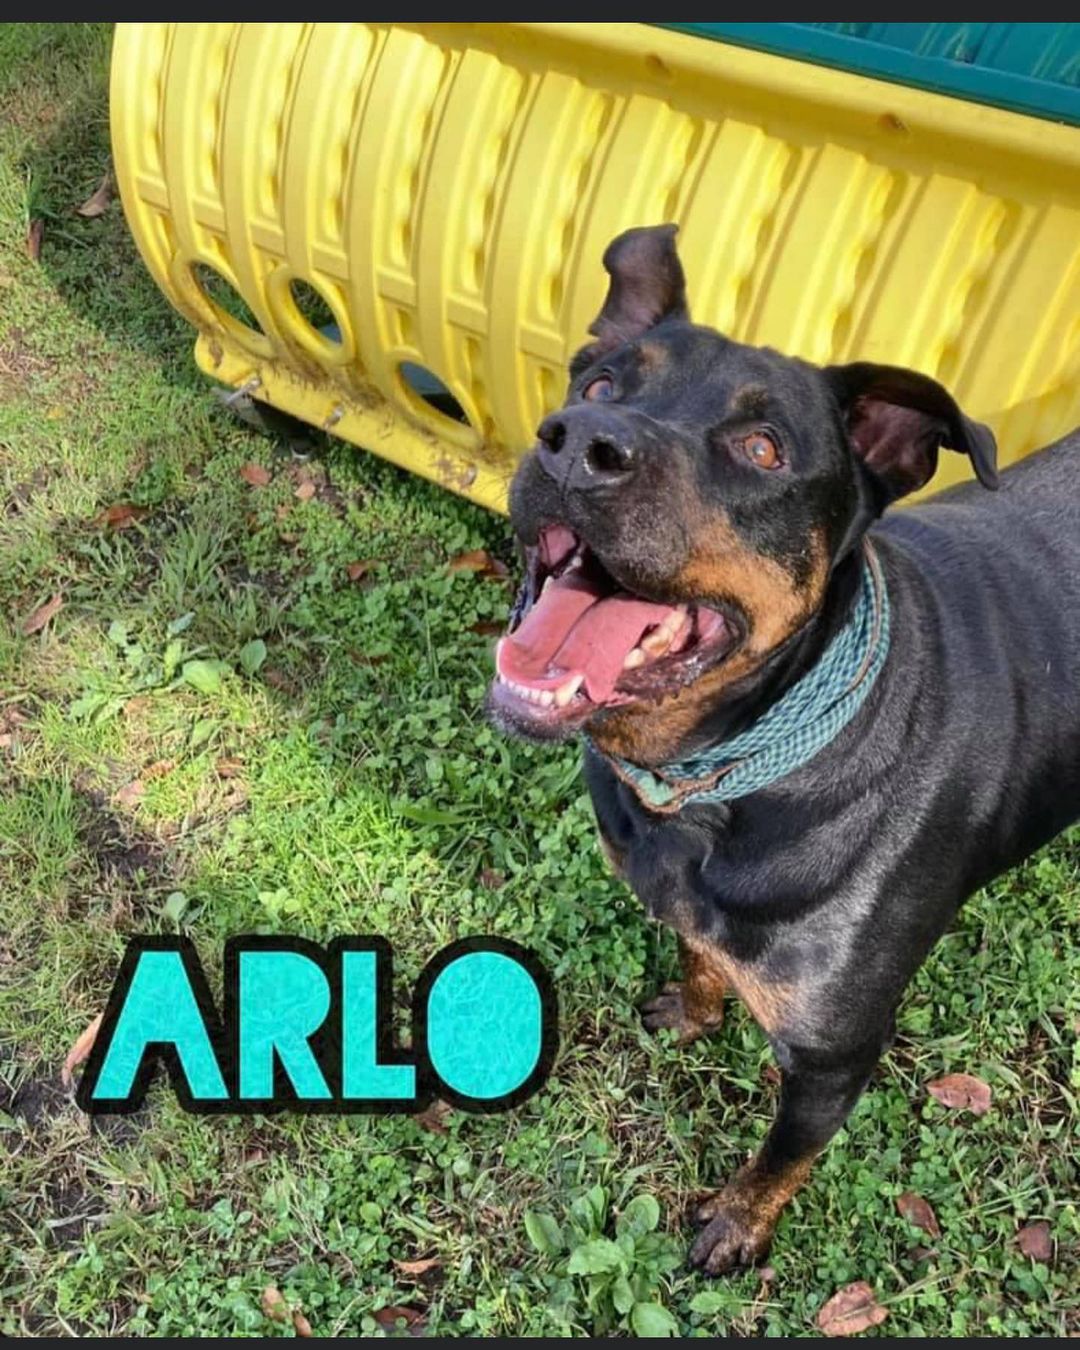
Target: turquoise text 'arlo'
[(308, 1028)]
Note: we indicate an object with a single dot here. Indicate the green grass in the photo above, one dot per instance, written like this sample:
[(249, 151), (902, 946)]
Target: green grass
[(349, 784)]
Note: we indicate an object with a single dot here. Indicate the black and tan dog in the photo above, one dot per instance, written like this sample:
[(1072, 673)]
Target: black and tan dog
[(699, 524)]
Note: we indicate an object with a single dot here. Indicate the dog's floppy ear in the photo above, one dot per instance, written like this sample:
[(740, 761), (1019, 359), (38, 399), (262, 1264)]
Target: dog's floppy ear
[(647, 286), (896, 421)]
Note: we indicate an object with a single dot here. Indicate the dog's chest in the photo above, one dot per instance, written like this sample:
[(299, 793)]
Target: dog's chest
[(719, 900), (698, 867)]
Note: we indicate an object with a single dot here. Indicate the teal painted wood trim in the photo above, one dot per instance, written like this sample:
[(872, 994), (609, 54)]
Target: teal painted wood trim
[(1027, 67)]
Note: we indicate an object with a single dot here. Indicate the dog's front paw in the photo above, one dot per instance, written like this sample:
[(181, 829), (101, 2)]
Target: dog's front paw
[(736, 1230), (668, 1012)]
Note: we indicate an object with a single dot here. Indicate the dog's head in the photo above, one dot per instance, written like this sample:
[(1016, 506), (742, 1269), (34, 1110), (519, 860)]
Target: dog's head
[(682, 513)]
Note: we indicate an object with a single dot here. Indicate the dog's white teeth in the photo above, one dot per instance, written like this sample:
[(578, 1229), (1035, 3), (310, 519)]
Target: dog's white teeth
[(657, 642), (664, 634), (574, 562), (566, 692), (547, 698), (634, 659), (679, 627), (546, 584)]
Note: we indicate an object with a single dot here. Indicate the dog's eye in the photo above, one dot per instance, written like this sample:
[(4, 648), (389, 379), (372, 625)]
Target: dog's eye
[(599, 390), (762, 450)]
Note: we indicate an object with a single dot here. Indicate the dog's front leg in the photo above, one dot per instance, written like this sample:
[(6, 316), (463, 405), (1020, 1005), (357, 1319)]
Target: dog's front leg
[(694, 1005), (738, 1222)]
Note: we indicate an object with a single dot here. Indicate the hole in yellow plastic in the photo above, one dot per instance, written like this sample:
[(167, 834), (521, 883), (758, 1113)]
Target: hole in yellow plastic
[(228, 304), (424, 385), (315, 310)]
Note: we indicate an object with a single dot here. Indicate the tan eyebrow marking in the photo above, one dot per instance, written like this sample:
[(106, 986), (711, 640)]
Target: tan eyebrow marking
[(749, 400), (654, 356)]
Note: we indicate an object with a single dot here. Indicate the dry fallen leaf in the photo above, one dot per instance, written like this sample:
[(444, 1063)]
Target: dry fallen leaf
[(432, 1117), (767, 1274), (1034, 1241), (98, 201), (120, 516), (419, 1267), (12, 717), (273, 1304), (158, 769), (301, 1325), (41, 616), (80, 1050), (255, 475), (305, 491), (276, 679), (388, 1318), (853, 1309), (918, 1211), (130, 793), (480, 561), (34, 234), (491, 880), (229, 767), (487, 628), (357, 571), (961, 1092)]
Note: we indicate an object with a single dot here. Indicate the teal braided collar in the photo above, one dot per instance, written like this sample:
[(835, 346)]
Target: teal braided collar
[(795, 728)]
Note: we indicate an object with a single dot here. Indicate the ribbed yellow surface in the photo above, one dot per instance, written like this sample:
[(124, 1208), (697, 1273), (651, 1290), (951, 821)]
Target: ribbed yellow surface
[(448, 190)]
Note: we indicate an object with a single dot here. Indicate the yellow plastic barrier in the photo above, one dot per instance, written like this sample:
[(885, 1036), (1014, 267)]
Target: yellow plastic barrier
[(448, 190)]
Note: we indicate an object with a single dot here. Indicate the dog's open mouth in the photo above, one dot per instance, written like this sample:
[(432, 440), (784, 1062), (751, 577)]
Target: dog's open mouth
[(579, 641)]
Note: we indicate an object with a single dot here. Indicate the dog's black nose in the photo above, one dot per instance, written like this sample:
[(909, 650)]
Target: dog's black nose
[(586, 448), (551, 433)]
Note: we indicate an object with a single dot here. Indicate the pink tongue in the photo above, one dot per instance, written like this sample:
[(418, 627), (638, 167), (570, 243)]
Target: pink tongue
[(545, 627), (571, 629), (602, 637)]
